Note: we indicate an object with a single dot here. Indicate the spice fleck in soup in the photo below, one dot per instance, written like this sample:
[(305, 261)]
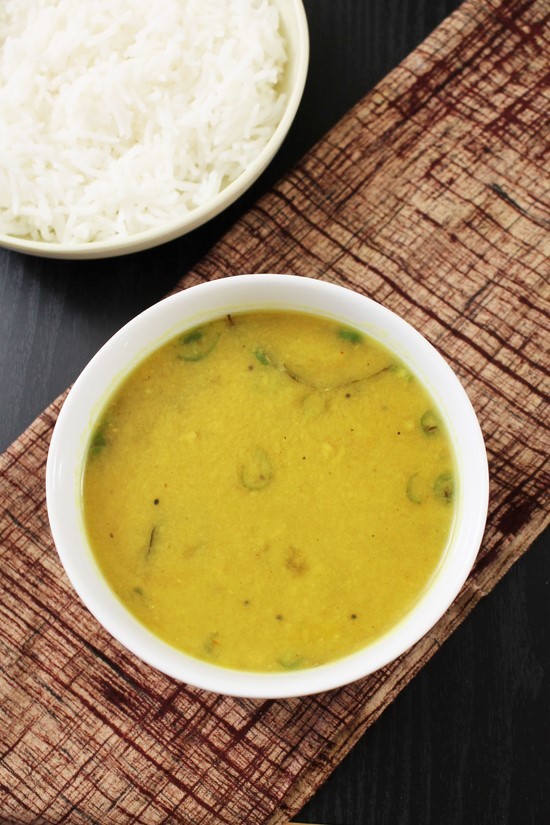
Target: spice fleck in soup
[(269, 491)]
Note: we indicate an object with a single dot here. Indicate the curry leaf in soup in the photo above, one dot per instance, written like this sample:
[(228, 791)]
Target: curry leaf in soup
[(198, 343), (151, 542)]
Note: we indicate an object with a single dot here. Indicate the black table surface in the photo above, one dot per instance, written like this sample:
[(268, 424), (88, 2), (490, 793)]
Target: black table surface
[(468, 740)]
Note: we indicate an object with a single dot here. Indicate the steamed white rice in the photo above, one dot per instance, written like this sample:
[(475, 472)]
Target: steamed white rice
[(117, 116)]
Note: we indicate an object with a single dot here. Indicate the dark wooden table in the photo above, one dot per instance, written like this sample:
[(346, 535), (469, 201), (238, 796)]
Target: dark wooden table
[(468, 739)]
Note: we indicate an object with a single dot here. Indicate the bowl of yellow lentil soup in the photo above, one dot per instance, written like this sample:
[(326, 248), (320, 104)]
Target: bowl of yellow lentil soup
[(267, 486)]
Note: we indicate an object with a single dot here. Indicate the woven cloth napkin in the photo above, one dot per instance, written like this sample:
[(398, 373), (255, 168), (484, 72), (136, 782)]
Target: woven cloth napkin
[(427, 196)]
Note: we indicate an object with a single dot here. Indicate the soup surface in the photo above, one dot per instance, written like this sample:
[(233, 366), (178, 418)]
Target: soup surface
[(270, 491)]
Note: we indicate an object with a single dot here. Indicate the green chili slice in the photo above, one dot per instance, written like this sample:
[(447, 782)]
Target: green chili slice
[(291, 661), (416, 489), (197, 344), (430, 423), (99, 440), (351, 335), (256, 470), (444, 488), (400, 371), (263, 358)]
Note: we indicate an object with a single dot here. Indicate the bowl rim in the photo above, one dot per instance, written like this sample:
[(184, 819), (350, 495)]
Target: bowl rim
[(155, 236), (182, 311)]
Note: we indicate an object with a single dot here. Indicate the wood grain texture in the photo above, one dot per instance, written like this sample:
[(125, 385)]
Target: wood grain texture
[(430, 197)]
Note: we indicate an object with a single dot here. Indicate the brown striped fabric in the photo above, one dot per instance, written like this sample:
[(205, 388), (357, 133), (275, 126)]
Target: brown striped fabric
[(429, 196)]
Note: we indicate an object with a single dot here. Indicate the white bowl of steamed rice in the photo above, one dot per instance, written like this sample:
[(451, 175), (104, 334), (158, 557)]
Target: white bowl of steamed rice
[(267, 486), (126, 125)]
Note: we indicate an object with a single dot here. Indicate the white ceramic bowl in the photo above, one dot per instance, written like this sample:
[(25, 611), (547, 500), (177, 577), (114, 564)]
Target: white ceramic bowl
[(295, 30), (197, 305)]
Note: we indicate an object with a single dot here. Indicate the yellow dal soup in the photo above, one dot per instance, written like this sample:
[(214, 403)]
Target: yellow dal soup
[(269, 491)]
